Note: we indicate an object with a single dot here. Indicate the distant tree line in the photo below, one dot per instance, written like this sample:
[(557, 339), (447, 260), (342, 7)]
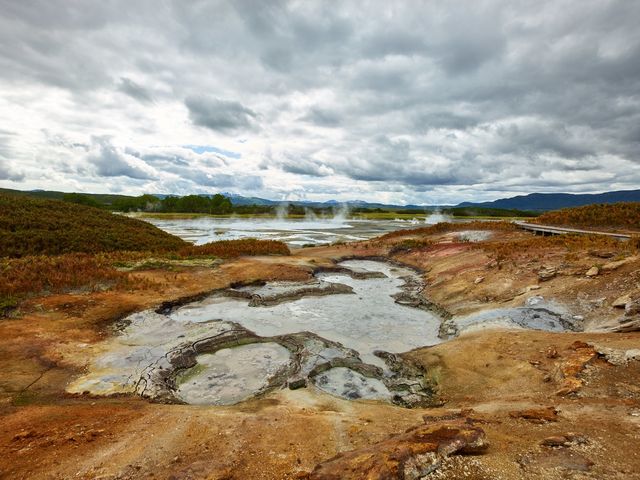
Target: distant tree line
[(219, 205), (215, 204)]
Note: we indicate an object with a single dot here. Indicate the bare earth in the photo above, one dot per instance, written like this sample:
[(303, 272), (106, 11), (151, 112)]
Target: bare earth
[(512, 403)]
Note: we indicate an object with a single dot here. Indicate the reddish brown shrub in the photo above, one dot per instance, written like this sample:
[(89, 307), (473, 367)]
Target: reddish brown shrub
[(236, 248), (624, 215), (22, 277)]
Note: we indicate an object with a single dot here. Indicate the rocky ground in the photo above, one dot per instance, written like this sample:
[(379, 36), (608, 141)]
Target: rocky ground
[(510, 403)]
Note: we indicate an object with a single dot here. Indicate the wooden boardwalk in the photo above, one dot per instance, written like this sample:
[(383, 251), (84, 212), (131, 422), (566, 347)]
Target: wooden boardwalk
[(550, 230)]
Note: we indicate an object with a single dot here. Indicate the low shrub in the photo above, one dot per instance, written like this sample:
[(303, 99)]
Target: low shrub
[(21, 277), (409, 245), (623, 215), (569, 244), (30, 226), (236, 248)]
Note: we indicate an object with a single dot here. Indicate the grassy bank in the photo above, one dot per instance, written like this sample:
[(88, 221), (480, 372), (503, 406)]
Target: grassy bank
[(49, 246), (620, 216), (30, 226)]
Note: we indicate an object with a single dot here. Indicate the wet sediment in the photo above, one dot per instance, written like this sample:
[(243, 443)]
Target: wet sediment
[(310, 356), (334, 366)]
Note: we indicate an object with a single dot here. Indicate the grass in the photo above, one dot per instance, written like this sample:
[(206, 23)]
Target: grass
[(20, 277), (485, 212), (236, 248), (30, 226), (570, 245), (408, 245), (624, 215), (49, 246), (445, 227)]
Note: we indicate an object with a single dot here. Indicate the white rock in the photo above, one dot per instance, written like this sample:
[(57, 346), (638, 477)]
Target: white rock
[(621, 302), (535, 300), (593, 271)]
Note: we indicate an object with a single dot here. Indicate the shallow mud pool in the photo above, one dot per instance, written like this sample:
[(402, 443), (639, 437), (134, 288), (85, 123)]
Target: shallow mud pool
[(232, 374), (366, 320), (339, 333)]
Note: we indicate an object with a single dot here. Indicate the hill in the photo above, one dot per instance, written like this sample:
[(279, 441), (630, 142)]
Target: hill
[(625, 216), (50, 227), (534, 202), (100, 198), (554, 201), (486, 212)]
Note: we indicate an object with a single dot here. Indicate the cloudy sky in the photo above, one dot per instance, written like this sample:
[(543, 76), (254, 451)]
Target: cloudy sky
[(405, 102)]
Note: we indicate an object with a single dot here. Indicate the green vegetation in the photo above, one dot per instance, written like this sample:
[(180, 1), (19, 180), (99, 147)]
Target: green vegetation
[(458, 212), (446, 227), (102, 199), (410, 244), (52, 246), (624, 215), (134, 204), (572, 246), (220, 205), (486, 212), (236, 248), (81, 199), (30, 226), (41, 273), (216, 204)]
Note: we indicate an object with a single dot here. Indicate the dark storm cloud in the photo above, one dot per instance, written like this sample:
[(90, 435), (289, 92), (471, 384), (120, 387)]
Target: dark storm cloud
[(219, 115), (394, 161)]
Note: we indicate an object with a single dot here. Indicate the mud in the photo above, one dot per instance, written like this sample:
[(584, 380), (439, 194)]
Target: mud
[(156, 351), (589, 379)]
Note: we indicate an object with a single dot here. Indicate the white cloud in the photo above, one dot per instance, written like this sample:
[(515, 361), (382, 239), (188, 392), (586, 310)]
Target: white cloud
[(416, 103)]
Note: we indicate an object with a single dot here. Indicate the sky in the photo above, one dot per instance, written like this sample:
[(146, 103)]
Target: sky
[(415, 102)]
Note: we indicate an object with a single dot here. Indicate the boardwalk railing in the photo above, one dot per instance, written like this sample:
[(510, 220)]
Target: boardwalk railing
[(550, 230)]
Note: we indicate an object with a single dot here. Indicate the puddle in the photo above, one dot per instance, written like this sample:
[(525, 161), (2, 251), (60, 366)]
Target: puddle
[(345, 383), (366, 320), (339, 333), (232, 374)]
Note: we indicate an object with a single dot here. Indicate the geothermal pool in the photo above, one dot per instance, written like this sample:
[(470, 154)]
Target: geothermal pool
[(295, 232), (338, 333)]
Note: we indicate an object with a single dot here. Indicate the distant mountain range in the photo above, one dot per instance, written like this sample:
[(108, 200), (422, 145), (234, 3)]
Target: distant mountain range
[(555, 201), (531, 202), (240, 200)]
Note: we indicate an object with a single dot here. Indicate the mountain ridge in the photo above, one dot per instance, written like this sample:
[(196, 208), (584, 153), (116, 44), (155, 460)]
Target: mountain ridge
[(555, 201), (529, 202)]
